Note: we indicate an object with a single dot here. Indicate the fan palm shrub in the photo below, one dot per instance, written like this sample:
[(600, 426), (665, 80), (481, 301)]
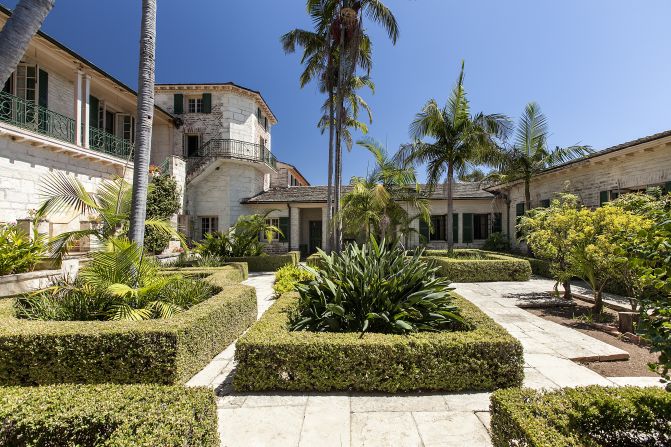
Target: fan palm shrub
[(118, 284), (375, 288)]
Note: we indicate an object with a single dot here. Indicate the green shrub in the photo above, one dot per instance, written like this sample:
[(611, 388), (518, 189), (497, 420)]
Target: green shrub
[(163, 202), (272, 357), (119, 284), (265, 263), (376, 288), (581, 417), (164, 351), (110, 415), (242, 239), (18, 253), (314, 260), (487, 266), (497, 242), (287, 277)]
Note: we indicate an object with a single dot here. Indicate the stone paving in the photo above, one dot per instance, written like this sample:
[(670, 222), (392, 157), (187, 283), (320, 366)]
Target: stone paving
[(427, 419)]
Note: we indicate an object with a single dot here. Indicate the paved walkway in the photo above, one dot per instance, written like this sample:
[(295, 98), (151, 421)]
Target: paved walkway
[(430, 419)]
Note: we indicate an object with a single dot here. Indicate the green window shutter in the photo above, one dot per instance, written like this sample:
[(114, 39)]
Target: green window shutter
[(43, 98), (178, 103), (424, 231), (207, 103), (545, 203), (284, 228), (94, 106), (603, 197), (467, 223), (497, 226), (455, 228)]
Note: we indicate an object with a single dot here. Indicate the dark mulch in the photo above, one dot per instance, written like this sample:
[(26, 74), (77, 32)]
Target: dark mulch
[(580, 318)]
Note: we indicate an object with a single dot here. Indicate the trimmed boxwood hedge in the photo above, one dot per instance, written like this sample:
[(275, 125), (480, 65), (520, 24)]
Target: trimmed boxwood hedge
[(233, 272), (168, 351), (271, 357), (267, 263), (590, 416), (110, 415), (489, 267)]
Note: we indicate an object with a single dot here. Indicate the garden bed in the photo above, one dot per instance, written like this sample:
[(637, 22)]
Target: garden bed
[(268, 263), (478, 266), (114, 415), (591, 416), (164, 351), (271, 357)]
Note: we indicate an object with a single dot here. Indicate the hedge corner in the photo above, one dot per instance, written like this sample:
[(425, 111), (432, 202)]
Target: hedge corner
[(487, 267), (271, 357)]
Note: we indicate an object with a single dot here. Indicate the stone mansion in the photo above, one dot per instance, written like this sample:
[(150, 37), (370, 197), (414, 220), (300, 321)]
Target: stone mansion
[(61, 113)]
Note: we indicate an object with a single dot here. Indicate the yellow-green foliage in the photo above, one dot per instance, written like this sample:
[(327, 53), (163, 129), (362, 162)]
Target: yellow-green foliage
[(479, 266), (288, 276), (271, 357), (581, 417), (164, 351), (109, 415)]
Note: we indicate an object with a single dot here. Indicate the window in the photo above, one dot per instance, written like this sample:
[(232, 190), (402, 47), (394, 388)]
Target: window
[(195, 105), (293, 181), (191, 145), (209, 224), (480, 226), (26, 82), (274, 222), (438, 224), (125, 127)]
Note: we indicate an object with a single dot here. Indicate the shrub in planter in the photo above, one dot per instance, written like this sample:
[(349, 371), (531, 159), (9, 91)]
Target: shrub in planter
[(576, 417), (18, 253), (111, 415), (163, 351), (479, 266), (288, 277)]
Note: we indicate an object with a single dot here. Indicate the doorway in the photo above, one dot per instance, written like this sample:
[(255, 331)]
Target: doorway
[(192, 143), (314, 235)]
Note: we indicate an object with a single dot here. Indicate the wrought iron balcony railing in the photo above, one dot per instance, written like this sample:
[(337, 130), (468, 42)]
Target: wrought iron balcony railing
[(103, 141), (28, 115), (234, 149)]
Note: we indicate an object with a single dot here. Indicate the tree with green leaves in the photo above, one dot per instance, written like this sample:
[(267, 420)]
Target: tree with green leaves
[(163, 202), (378, 204), (529, 154), (458, 142)]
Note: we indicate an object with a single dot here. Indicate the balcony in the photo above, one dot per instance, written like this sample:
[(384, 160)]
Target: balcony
[(230, 149), (27, 115)]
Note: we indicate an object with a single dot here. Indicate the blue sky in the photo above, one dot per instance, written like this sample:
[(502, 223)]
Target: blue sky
[(600, 69)]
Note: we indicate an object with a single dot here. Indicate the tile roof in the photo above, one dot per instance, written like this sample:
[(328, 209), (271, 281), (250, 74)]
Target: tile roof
[(317, 194)]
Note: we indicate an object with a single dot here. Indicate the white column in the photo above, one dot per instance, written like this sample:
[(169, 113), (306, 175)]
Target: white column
[(87, 111), (295, 230), (78, 108), (325, 227)]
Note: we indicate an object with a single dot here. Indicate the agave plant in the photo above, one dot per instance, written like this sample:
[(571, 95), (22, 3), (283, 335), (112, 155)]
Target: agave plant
[(109, 207), (118, 284), (376, 288)]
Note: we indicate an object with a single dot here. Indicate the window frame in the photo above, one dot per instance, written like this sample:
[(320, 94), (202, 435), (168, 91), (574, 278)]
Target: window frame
[(197, 104), (275, 221), (213, 225)]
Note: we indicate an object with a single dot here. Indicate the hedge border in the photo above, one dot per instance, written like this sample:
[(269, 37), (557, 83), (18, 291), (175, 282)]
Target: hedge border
[(495, 267), (267, 263), (166, 351), (113, 415), (235, 272), (271, 357), (555, 418)]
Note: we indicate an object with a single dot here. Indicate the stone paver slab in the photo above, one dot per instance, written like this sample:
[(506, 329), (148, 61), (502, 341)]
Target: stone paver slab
[(565, 373), (451, 429), (263, 426), (637, 381), (467, 402), (276, 400), (363, 403), (327, 422), (384, 429)]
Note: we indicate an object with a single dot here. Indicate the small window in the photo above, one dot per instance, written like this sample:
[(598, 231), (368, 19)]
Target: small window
[(209, 224), (195, 105), (274, 222)]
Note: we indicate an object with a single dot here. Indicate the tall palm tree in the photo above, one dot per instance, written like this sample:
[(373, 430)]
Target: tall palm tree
[(379, 202), (529, 154), (145, 118), (15, 36), (460, 141)]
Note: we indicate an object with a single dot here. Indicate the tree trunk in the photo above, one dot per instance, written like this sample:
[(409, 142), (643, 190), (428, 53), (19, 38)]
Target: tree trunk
[(145, 117), (339, 127), (450, 208), (527, 195), (508, 232), (329, 195), (598, 302), (567, 290), (25, 21)]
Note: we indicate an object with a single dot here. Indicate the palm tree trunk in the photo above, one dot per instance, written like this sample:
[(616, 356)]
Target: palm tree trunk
[(339, 127), (510, 239), (527, 194), (145, 116), (329, 195), (450, 208), (25, 21)]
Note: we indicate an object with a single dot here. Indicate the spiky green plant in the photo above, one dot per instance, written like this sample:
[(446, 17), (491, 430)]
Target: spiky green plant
[(376, 288)]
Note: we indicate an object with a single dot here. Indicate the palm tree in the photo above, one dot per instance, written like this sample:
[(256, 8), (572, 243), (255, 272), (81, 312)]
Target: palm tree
[(529, 154), (460, 141), (377, 203), (145, 117), (15, 36)]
